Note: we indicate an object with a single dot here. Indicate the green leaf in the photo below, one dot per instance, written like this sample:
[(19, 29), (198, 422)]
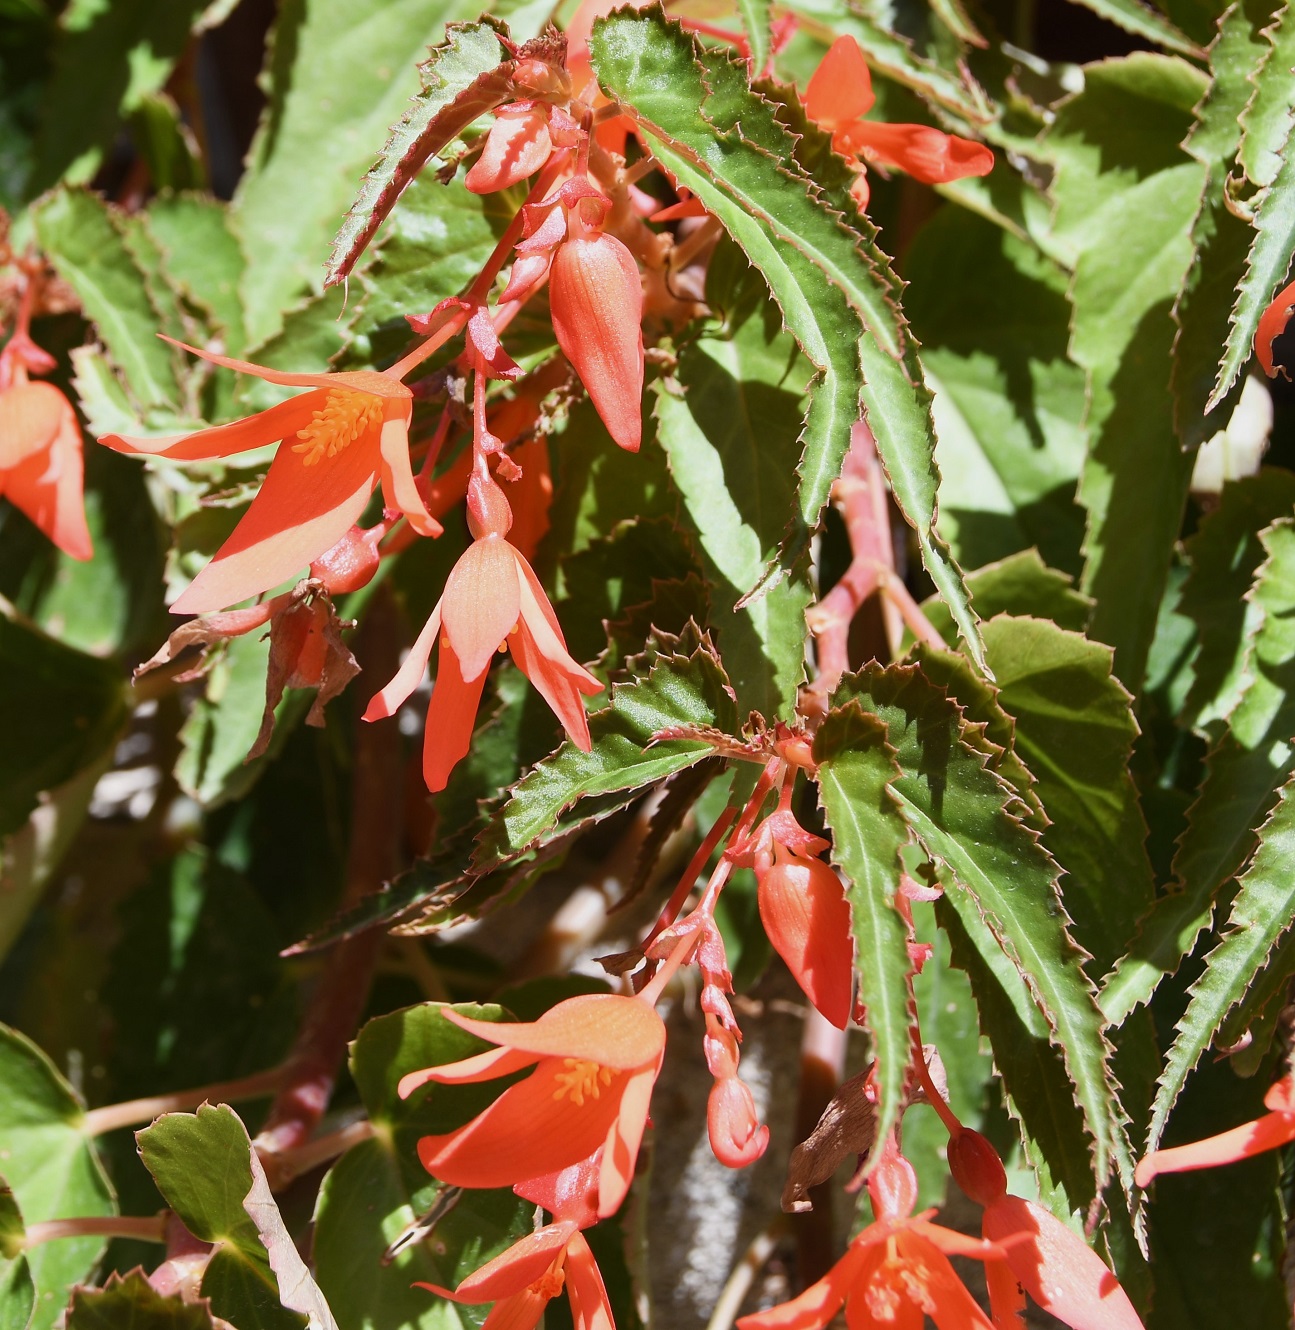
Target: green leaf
[(1266, 269), (109, 58), (335, 83), (1020, 584), (1127, 215), (994, 321), (17, 1294), (1267, 119), (1225, 553), (1261, 914), (462, 78), (1245, 767), (204, 1167), (59, 710), (755, 16), (856, 768), (967, 817), (679, 690), (85, 242), (1220, 239), (204, 258), (129, 1302), (52, 1168), (730, 428), (1074, 729), (1143, 21), (835, 289)]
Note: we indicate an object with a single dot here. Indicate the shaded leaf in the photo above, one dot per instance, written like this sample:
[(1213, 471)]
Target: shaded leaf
[(129, 1302), (17, 1294), (1266, 121)]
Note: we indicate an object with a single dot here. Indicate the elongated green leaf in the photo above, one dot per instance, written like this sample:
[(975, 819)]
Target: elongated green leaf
[(1266, 268), (1244, 769), (1128, 217), (836, 291), (731, 437), (678, 691), (1143, 21), (756, 16), (1262, 911), (1225, 553), (85, 244), (203, 1165), (17, 1294), (856, 769), (1266, 121), (129, 1302), (994, 321), (463, 78), (59, 710), (1075, 731), (337, 77), (52, 1168), (967, 817), (1220, 239)]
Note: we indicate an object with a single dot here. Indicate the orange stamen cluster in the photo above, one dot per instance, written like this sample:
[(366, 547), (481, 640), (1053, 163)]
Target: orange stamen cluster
[(343, 418)]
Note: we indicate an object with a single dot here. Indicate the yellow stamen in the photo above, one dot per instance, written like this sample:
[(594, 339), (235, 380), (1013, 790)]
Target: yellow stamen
[(581, 1078), (340, 421), (549, 1285)]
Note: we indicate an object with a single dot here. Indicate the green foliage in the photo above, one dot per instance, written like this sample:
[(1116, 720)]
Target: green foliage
[(132, 1301)]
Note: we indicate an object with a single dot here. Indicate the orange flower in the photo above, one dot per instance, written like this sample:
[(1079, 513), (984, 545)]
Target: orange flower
[(1050, 1261), (838, 97), (492, 600), (1272, 323), (41, 468), (596, 1059), (895, 1273), (522, 1281), (1276, 1128), (350, 432)]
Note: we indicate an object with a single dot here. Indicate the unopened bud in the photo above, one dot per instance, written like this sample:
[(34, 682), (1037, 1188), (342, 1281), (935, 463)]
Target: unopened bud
[(517, 145), (736, 1137), (976, 1167)]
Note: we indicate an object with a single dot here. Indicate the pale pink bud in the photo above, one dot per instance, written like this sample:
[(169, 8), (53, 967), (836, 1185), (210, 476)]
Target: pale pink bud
[(596, 300), (517, 145)]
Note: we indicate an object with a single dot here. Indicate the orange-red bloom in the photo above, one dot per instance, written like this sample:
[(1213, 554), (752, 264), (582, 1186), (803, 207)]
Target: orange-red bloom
[(1276, 1128), (895, 1273), (1272, 323), (492, 600), (838, 97), (350, 432), (1048, 1260), (595, 1061), (522, 1281), (41, 468)]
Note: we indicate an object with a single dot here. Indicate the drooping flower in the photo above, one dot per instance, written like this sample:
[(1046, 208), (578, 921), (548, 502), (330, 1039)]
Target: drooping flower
[(1272, 323), (596, 302), (349, 433), (41, 465), (838, 98), (894, 1273), (1042, 1256), (595, 1060), (1275, 1129), (492, 601), (524, 1279)]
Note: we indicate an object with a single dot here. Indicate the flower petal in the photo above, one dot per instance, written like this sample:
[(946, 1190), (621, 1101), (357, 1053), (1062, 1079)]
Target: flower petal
[(483, 1067), (817, 1304), (620, 1153), (1251, 1138), (262, 371), (480, 604), (570, 1193), (299, 512), (1272, 323), (31, 414), (451, 714), (520, 1312), (409, 675), (606, 1028), (49, 487), (841, 89), (266, 427), (531, 1129), (517, 145), (518, 1267), (927, 154), (944, 1296), (590, 1307), (399, 489), (1058, 1268)]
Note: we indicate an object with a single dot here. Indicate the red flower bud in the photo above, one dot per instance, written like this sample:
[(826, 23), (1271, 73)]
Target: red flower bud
[(805, 913), (976, 1167), (735, 1136), (596, 300)]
